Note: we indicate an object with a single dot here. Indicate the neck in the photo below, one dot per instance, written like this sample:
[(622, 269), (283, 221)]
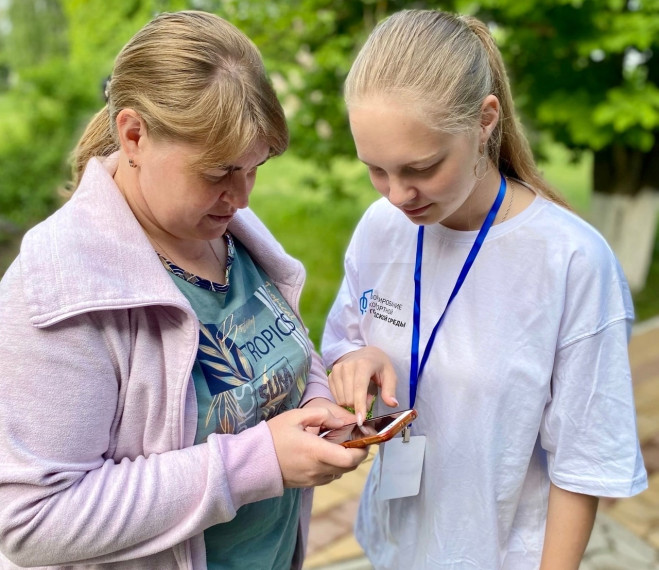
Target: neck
[(472, 213), (209, 261)]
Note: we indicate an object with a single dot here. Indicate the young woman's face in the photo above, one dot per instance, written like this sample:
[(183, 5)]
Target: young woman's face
[(427, 174), (171, 198)]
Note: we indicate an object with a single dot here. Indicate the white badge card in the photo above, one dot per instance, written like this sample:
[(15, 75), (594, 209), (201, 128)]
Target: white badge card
[(401, 467)]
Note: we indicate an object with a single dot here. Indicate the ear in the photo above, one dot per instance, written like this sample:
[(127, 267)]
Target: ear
[(131, 129), (489, 116)]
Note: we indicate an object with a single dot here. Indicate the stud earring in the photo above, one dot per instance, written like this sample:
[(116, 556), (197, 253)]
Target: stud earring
[(481, 164), (131, 163)]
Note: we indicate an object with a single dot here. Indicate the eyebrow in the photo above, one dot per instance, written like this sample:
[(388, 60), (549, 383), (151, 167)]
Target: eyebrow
[(412, 163), (432, 157), (232, 168)]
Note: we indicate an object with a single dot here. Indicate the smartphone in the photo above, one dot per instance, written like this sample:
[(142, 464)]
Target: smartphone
[(373, 431)]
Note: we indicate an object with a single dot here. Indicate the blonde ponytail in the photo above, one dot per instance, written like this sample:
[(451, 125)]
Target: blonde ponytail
[(96, 140), (508, 147)]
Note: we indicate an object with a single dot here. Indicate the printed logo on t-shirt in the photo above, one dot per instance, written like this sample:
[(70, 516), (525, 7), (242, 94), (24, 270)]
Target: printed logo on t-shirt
[(382, 308), (247, 364)]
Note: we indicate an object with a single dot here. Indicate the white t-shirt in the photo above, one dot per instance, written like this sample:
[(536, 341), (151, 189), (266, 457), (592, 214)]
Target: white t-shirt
[(528, 381)]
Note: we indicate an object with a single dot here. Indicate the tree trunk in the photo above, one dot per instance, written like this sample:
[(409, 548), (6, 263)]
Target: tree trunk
[(629, 224), (625, 205)]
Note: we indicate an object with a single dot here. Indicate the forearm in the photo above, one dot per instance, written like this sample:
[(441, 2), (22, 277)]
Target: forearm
[(570, 519), (52, 514)]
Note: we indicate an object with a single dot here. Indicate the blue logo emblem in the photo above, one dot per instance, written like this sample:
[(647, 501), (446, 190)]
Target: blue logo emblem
[(364, 299)]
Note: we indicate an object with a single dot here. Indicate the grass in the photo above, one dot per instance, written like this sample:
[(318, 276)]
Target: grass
[(571, 179), (313, 216), (646, 302)]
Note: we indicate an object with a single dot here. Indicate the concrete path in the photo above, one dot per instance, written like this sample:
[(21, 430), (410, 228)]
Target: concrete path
[(626, 533)]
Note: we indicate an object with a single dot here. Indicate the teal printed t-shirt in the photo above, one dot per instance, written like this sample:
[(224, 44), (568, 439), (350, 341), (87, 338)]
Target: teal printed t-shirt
[(252, 364)]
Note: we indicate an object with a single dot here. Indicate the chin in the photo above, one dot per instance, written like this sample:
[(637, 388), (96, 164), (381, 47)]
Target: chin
[(426, 219), (418, 221)]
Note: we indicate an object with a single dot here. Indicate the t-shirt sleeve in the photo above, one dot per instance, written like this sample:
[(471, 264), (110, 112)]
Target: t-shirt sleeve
[(589, 424)]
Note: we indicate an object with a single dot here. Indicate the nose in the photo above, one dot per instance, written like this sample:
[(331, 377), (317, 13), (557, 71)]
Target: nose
[(240, 186), (400, 191)]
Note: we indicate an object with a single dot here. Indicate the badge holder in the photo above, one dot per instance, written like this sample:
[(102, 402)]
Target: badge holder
[(401, 466)]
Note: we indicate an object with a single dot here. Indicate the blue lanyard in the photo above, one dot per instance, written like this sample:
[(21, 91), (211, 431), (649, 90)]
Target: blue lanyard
[(415, 369)]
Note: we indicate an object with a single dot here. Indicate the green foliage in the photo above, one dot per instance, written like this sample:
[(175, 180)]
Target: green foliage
[(38, 32), (55, 56), (308, 46), (585, 71), (40, 115)]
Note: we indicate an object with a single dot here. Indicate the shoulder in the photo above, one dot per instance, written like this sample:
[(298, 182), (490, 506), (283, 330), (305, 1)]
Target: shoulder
[(595, 292), (575, 241), (562, 237)]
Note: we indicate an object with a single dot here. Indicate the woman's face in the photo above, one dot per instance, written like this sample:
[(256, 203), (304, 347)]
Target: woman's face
[(427, 174), (169, 197)]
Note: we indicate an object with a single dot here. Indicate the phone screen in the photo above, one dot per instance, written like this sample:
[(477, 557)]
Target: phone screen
[(352, 432)]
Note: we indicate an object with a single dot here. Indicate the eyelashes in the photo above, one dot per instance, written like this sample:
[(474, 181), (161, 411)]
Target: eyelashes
[(216, 179), (427, 171)]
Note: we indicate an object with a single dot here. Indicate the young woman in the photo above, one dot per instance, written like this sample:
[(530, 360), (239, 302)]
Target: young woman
[(473, 294), (152, 349)]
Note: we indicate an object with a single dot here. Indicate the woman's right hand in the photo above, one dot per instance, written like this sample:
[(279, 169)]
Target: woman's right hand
[(354, 374), (305, 459)]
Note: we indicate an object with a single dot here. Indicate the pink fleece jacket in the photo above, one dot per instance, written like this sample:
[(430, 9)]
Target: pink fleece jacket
[(98, 410)]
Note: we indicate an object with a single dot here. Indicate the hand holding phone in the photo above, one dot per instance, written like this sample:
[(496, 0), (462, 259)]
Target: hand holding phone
[(304, 460), (374, 431)]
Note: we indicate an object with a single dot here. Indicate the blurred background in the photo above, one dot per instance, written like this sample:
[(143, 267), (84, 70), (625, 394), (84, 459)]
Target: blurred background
[(585, 77)]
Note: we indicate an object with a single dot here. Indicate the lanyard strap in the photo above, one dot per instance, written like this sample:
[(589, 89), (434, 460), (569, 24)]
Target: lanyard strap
[(415, 369)]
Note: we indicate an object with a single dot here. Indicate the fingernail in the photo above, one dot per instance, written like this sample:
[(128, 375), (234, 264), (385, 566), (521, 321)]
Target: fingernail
[(395, 401), (360, 419)]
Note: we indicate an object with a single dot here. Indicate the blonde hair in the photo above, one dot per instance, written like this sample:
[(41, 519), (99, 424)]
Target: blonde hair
[(445, 65), (193, 78)]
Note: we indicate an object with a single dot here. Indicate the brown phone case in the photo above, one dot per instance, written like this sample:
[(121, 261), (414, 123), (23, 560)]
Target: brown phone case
[(381, 437)]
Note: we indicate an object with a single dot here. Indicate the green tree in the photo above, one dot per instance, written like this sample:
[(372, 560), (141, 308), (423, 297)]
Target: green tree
[(32, 106), (587, 71), (54, 56), (584, 71)]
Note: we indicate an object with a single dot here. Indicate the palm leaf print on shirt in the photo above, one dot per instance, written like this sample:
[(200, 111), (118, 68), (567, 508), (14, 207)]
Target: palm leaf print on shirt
[(225, 367)]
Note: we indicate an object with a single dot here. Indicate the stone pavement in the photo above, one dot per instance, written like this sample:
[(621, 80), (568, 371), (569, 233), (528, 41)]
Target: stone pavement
[(626, 532)]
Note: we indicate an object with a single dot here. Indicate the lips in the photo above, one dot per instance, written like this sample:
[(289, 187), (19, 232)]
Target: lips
[(221, 219), (416, 212)]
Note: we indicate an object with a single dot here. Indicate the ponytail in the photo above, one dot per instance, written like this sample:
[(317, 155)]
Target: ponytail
[(508, 147), (97, 140)]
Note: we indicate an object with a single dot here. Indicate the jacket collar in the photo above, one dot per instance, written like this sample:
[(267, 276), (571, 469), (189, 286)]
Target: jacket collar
[(92, 254)]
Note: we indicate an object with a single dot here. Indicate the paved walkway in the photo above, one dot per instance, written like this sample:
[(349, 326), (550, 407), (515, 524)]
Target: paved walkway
[(626, 533)]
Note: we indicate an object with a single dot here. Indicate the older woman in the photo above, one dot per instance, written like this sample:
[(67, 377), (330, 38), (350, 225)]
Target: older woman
[(152, 349)]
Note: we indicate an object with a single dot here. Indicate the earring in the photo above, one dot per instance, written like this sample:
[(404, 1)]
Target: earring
[(481, 164), (131, 163)]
